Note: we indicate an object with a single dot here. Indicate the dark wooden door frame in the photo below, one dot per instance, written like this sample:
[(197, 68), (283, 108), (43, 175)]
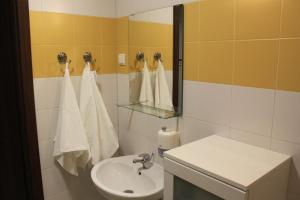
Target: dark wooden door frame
[(17, 106)]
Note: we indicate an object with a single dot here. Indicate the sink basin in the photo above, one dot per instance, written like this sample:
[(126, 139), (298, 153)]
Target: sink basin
[(118, 179)]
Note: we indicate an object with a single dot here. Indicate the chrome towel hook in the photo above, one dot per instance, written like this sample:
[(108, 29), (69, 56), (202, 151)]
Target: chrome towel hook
[(157, 56), (63, 58), (88, 58), (140, 56)]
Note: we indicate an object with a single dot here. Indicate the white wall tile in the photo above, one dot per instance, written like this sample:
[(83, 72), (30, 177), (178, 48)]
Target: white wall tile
[(35, 5), (287, 116), (293, 150), (108, 87), (46, 92), (46, 152), (61, 196), (128, 7), (54, 181), (138, 131), (207, 102), (60, 6), (43, 125), (193, 129), (131, 140), (123, 89), (250, 138), (101, 8), (252, 109)]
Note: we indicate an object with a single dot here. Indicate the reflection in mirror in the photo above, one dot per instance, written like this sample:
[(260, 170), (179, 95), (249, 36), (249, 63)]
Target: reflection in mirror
[(151, 60)]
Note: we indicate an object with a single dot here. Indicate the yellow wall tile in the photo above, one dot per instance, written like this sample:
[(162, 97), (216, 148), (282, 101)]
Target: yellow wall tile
[(108, 60), (109, 31), (36, 30), (170, 38), (216, 62), (191, 61), (79, 52), (50, 63), (216, 20), (87, 30), (74, 35), (160, 34), (191, 22), (58, 28), (291, 18), (289, 65), (122, 31), (140, 33), (168, 58), (256, 63), (258, 19), (37, 61)]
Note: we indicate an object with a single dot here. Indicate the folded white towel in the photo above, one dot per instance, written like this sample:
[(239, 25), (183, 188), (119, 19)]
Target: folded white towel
[(162, 93), (146, 94), (71, 148), (100, 131)]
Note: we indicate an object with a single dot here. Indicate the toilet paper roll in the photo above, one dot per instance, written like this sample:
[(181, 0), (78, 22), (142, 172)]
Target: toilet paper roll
[(168, 139)]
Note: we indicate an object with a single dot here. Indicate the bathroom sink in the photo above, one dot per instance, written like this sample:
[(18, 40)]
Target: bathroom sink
[(118, 179)]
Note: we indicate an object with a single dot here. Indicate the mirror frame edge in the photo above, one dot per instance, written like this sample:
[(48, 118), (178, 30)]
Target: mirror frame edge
[(178, 57)]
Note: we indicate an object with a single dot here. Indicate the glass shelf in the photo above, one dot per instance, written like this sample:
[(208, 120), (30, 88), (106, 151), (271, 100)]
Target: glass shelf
[(160, 113)]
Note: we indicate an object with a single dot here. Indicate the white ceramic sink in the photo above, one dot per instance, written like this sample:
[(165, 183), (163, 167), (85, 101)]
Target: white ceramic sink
[(115, 177)]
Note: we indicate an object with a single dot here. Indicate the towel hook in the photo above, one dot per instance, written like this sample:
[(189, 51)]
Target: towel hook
[(63, 59), (140, 56), (157, 56), (88, 58)]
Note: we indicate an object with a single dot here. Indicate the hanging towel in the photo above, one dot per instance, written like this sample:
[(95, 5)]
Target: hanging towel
[(146, 94), (100, 131), (71, 148), (162, 93)]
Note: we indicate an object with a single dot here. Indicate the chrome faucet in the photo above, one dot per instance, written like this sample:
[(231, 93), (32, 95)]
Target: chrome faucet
[(146, 159)]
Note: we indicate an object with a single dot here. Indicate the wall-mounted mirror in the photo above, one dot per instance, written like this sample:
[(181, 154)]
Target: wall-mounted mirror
[(156, 61)]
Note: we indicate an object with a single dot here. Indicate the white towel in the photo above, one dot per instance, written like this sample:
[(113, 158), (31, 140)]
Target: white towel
[(146, 94), (71, 148), (100, 131), (162, 93)]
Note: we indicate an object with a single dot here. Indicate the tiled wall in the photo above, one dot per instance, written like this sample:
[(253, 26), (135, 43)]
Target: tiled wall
[(149, 37), (74, 35), (57, 184), (242, 78), (73, 27), (255, 43), (242, 74)]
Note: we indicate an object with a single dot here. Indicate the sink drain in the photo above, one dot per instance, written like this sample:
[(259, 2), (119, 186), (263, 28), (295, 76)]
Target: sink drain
[(128, 191)]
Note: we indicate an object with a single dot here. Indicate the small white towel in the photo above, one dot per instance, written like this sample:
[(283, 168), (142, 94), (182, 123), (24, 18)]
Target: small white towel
[(100, 131), (71, 148), (162, 93), (146, 94)]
